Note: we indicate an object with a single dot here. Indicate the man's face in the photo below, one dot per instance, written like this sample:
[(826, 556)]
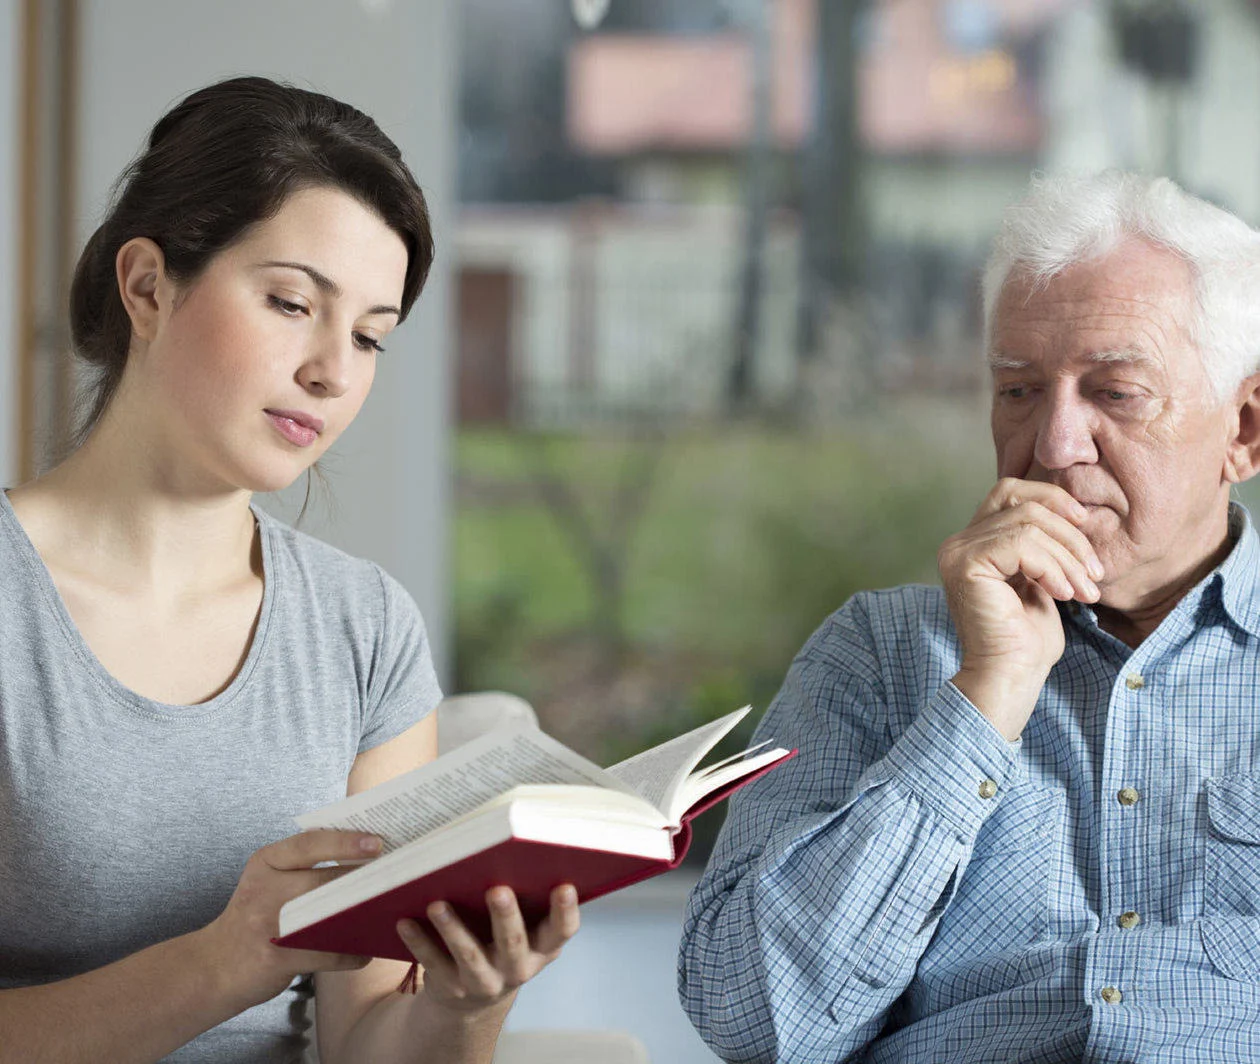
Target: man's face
[(1099, 390)]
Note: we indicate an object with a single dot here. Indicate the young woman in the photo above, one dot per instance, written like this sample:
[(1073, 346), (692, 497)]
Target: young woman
[(180, 673)]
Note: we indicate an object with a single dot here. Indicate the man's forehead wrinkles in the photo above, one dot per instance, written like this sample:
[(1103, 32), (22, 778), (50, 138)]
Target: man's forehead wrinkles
[(1139, 330)]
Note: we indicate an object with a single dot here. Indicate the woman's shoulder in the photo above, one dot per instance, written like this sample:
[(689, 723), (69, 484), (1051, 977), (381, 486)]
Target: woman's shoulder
[(337, 582)]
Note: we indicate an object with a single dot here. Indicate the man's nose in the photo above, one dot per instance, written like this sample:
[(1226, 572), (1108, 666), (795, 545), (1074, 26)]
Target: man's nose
[(1065, 432)]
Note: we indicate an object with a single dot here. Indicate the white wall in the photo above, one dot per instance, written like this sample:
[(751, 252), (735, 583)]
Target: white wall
[(395, 61), (1100, 113), (10, 128)]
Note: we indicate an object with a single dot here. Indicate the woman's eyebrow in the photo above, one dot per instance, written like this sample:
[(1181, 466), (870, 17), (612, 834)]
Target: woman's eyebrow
[(326, 284)]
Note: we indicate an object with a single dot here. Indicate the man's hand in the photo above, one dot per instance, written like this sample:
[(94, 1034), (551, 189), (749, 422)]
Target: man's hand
[(1022, 550)]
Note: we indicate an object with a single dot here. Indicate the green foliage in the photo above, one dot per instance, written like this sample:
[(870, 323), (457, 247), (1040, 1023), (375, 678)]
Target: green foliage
[(749, 539)]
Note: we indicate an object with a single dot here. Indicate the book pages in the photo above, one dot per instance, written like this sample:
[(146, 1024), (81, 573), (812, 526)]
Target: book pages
[(658, 774), (425, 799)]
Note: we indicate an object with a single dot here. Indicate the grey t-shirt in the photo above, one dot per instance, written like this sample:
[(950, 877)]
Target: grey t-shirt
[(124, 821)]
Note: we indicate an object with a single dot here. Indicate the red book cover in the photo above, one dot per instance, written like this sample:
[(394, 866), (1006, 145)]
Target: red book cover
[(533, 869)]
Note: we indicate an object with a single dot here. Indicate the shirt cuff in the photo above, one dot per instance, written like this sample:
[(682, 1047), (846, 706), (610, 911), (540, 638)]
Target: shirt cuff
[(953, 758)]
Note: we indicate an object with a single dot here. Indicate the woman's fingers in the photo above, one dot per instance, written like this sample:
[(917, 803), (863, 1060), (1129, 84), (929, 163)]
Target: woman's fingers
[(309, 848), (436, 964), (474, 970), (514, 954), (561, 923)]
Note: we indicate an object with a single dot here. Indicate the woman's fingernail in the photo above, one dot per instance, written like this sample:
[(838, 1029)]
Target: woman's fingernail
[(439, 912), (369, 844)]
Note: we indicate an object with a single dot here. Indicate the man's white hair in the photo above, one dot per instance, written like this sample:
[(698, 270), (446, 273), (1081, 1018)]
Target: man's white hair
[(1067, 219)]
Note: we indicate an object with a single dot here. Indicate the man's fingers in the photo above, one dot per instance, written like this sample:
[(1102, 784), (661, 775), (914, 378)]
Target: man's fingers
[(1010, 492), (1032, 551), (1029, 518), (311, 847)]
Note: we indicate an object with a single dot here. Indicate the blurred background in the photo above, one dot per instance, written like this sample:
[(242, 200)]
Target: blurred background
[(700, 354)]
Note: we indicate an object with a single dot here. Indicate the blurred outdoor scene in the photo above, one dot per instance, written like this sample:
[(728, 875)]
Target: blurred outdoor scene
[(718, 262)]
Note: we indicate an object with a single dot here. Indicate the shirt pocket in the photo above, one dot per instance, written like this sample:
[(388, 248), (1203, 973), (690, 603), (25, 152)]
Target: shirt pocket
[(1230, 928), (1001, 898)]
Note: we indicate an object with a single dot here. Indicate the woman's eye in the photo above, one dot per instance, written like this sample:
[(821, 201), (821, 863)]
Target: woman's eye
[(1115, 396), (1014, 391), (286, 306), (366, 343)]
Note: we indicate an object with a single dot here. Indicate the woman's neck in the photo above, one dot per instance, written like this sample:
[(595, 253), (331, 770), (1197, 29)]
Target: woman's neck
[(109, 512)]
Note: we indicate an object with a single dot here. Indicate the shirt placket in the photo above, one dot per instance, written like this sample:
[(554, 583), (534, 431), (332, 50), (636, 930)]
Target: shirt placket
[(1128, 901)]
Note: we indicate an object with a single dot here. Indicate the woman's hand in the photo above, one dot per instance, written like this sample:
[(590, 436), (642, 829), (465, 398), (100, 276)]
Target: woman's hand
[(475, 976), (240, 937)]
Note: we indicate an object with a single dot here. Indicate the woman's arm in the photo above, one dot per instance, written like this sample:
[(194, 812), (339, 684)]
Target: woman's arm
[(150, 1003), (457, 1014), (134, 1011)]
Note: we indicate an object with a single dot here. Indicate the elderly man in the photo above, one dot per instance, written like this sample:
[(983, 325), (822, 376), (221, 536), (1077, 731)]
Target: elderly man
[(1024, 824)]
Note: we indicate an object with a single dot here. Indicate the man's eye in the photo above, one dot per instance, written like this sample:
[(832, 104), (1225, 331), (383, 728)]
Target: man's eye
[(1116, 396), (1014, 391), (366, 343), (285, 306)]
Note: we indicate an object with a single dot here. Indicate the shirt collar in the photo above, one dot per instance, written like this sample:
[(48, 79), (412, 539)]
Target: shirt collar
[(1238, 576)]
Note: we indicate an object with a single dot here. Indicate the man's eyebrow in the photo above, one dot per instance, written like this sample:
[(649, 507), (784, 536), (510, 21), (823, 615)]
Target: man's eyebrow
[(997, 360), (326, 284), (1131, 356)]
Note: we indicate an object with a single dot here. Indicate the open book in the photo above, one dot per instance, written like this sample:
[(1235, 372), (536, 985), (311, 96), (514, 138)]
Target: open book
[(512, 807)]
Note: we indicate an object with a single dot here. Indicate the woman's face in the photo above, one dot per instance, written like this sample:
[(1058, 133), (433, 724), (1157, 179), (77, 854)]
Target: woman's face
[(256, 367)]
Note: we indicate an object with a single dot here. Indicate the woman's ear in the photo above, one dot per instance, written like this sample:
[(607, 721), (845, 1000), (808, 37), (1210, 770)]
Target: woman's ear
[(141, 269), (1242, 452)]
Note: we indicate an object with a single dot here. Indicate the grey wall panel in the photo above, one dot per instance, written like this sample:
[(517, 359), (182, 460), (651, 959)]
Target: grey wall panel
[(394, 60)]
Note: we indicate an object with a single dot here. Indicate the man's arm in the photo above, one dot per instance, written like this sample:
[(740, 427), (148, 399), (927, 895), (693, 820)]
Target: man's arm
[(832, 872)]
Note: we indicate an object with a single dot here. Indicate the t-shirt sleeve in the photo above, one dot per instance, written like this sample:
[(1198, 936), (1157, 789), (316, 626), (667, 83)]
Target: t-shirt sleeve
[(403, 688)]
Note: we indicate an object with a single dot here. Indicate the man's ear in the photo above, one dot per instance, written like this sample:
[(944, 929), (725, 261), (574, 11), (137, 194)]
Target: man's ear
[(1242, 452), (141, 270)]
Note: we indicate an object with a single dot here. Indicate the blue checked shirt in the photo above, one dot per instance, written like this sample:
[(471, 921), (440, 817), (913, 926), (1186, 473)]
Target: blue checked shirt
[(914, 888)]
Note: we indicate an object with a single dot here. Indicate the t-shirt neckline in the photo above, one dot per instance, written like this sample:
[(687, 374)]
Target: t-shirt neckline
[(88, 660)]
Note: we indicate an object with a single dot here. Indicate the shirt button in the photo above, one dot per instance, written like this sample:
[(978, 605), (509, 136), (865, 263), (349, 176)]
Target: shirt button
[(1127, 796), (1134, 681), (1110, 995), (1129, 920), (988, 788)]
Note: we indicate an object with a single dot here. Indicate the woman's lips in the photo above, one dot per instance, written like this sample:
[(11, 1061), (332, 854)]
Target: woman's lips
[(298, 428)]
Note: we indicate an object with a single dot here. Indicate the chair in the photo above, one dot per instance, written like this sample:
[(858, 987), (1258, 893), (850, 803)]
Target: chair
[(570, 1047), (464, 717)]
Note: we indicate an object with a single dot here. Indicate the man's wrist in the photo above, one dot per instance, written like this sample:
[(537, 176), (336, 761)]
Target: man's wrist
[(1005, 700)]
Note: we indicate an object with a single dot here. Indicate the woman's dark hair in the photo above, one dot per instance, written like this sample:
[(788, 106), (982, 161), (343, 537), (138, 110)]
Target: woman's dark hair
[(222, 160)]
